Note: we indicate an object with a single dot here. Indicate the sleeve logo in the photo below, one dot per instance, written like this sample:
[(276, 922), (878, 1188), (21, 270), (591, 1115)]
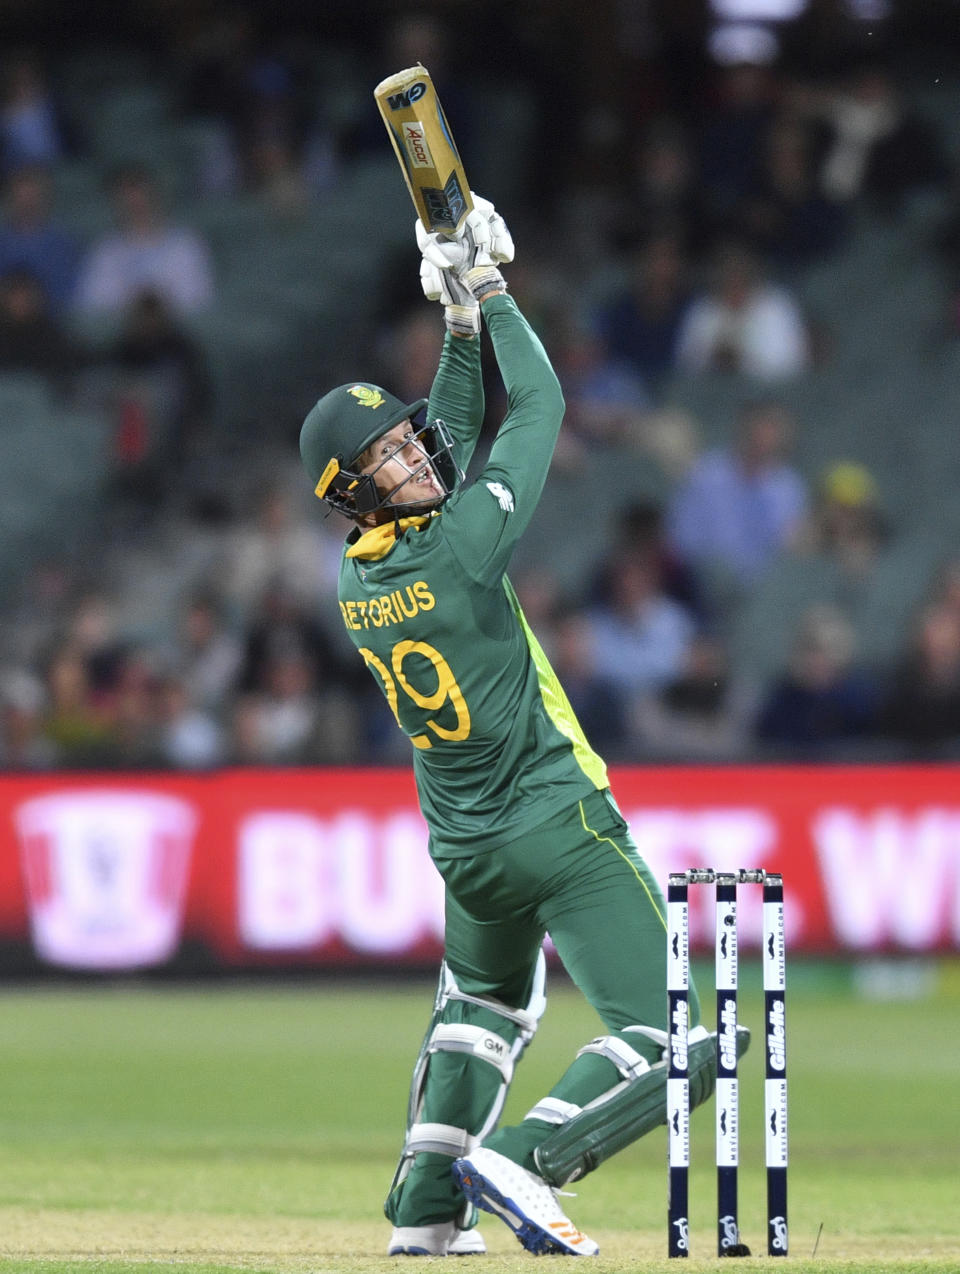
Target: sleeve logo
[(502, 495)]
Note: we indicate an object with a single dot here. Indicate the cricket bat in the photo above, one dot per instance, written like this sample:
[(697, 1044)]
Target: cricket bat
[(425, 148)]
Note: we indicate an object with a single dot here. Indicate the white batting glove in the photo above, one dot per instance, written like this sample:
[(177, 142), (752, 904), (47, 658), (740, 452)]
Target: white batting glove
[(489, 231), (442, 285), (483, 239), (461, 312), (492, 244)]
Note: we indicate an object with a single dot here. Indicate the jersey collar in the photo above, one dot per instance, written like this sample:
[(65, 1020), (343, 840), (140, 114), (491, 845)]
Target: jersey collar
[(379, 540)]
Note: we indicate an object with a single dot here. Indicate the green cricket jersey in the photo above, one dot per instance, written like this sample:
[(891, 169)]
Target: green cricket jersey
[(497, 748)]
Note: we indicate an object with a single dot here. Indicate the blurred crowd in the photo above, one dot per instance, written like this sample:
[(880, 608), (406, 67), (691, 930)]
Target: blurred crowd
[(195, 625)]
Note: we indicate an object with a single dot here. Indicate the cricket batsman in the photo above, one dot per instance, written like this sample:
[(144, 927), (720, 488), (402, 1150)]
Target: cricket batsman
[(523, 827)]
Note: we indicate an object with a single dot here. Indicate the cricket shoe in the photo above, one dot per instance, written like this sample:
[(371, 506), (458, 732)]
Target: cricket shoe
[(521, 1200), (467, 1243), (441, 1239)]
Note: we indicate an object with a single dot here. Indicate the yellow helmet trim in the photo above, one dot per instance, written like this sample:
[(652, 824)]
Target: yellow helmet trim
[(328, 475)]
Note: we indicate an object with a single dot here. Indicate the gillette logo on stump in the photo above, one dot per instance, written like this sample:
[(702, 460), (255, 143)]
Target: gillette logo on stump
[(727, 1035), (776, 1036), (678, 1035), (105, 874)]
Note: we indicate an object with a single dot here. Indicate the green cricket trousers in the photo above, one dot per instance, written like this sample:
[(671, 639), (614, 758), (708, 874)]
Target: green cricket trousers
[(580, 878)]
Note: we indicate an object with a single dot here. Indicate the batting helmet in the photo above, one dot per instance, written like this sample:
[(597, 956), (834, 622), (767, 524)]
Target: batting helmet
[(340, 428)]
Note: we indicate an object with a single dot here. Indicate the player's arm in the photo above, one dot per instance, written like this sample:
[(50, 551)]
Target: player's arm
[(485, 522), (457, 397)]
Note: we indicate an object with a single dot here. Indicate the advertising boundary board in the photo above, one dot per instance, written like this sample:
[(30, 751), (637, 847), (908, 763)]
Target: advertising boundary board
[(259, 868)]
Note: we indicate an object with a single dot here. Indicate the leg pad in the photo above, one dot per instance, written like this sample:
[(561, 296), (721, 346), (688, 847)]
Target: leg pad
[(615, 1120)]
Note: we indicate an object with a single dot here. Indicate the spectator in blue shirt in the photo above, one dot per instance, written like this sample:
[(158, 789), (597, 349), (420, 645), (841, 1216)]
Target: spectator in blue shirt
[(640, 638), (743, 504), (32, 129), (31, 240), (642, 324)]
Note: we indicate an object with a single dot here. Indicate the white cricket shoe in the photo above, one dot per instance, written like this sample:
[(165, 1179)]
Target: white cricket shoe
[(441, 1239), (467, 1243), (523, 1201)]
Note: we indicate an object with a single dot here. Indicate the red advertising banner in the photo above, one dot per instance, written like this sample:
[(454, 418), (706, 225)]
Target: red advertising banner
[(256, 868)]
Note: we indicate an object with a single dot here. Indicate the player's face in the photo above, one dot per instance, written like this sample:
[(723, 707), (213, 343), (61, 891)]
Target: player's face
[(400, 465)]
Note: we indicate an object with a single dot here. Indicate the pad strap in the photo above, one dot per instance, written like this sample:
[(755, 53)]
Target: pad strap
[(460, 1037), (627, 1060), (551, 1110), (662, 1037), (442, 1139), (659, 1037), (524, 1018)]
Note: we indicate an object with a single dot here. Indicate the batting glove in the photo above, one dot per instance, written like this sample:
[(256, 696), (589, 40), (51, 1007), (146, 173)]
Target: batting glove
[(483, 239), (487, 231), (481, 242), (461, 312), (492, 244), (442, 285)]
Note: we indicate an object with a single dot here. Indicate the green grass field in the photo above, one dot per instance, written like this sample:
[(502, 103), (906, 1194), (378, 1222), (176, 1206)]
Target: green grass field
[(256, 1128)]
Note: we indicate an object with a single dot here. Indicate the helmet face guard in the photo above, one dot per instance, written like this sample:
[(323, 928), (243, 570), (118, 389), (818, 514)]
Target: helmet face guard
[(356, 495)]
